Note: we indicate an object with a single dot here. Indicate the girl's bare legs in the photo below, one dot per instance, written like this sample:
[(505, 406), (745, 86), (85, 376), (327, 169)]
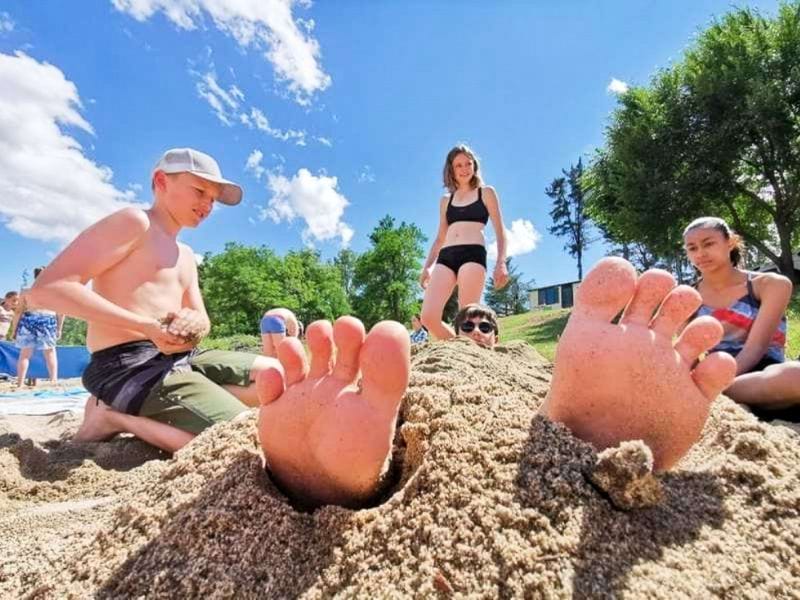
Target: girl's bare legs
[(471, 279), (23, 362), (270, 343), (776, 387), (51, 360), (440, 286)]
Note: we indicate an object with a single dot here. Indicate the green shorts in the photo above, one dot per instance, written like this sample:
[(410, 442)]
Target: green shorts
[(195, 400)]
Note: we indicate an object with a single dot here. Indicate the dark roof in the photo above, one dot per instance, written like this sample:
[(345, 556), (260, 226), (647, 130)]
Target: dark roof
[(770, 266), (544, 287)]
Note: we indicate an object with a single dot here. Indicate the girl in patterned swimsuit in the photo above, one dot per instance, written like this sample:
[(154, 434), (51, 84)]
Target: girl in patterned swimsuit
[(459, 249), (751, 308)]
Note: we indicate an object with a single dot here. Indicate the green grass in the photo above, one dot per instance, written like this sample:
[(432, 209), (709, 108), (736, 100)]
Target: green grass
[(542, 328)]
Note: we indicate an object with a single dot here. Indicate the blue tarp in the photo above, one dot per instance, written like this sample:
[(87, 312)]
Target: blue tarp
[(43, 402), (72, 360)]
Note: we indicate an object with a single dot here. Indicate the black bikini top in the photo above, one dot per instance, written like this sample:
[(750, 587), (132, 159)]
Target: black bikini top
[(474, 211)]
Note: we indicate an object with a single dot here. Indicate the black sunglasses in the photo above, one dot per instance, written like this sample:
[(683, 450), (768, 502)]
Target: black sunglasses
[(484, 326)]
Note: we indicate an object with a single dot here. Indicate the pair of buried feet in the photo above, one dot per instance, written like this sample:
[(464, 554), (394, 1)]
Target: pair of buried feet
[(328, 442)]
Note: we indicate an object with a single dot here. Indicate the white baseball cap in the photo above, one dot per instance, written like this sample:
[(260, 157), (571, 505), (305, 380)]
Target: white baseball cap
[(189, 160)]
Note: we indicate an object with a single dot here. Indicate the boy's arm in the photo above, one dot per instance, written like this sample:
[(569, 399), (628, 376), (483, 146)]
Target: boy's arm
[(191, 322), (62, 285)]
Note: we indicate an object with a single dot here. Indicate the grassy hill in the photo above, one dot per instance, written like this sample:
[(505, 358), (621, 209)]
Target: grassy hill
[(541, 329)]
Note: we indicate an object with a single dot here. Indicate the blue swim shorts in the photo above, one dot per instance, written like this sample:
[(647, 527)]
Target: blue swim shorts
[(273, 324)]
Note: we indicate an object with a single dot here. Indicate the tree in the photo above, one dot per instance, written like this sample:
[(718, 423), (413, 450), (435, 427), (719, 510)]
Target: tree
[(386, 275), (511, 299), (345, 262), (312, 289), (242, 282), (568, 213), (717, 133), (73, 332)]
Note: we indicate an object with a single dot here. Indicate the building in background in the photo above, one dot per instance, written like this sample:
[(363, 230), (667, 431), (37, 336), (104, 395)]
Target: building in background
[(561, 295)]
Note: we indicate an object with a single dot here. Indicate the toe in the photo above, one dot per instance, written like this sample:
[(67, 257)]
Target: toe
[(386, 362), (270, 384), (651, 289), (320, 343), (293, 359), (700, 335), (680, 304), (606, 289), (348, 334), (714, 374)]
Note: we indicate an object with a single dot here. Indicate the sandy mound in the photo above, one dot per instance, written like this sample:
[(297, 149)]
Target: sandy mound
[(489, 500)]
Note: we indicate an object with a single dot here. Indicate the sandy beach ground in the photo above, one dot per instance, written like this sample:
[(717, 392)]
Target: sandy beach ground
[(486, 499)]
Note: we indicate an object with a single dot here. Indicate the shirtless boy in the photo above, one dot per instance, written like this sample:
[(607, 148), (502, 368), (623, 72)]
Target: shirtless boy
[(146, 314)]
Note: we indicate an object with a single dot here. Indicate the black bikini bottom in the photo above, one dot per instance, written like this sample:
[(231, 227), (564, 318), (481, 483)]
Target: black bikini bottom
[(453, 257)]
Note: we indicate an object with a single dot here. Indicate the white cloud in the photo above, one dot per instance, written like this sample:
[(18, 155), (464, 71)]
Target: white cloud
[(253, 164), (223, 103), (6, 23), (259, 120), (520, 239), (324, 141), (366, 175), (617, 87), (266, 25), (49, 189), (314, 199), (226, 105)]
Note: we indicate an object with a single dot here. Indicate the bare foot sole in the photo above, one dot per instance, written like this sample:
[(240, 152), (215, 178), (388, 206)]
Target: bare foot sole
[(629, 381), (97, 423), (326, 439)]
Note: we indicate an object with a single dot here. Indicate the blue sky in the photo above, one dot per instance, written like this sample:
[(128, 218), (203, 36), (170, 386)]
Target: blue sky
[(330, 115)]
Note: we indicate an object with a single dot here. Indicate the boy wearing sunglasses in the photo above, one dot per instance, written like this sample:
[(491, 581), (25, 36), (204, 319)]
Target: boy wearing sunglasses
[(478, 323)]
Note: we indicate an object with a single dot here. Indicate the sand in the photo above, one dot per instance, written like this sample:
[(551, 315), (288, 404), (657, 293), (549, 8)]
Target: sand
[(488, 500)]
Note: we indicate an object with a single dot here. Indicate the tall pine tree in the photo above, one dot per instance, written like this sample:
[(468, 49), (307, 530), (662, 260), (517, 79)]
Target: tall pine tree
[(568, 213)]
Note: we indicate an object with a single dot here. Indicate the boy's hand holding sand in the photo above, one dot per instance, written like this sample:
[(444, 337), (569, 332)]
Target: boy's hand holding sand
[(188, 324)]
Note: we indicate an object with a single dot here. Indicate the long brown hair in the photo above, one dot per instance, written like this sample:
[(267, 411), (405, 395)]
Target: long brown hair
[(449, 177)]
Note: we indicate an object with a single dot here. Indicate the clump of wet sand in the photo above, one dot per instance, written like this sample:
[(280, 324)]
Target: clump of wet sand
[(488, 499)]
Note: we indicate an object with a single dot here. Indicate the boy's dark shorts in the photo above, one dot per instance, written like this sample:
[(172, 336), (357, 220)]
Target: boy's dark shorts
[(193, 400)]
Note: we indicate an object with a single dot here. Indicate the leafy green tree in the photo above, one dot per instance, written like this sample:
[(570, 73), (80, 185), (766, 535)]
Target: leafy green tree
[(717, 133), (73, 332), (312, 289), (345, 262), (385, 279), (569, 212), (239, 285), (243, 282), (511, 299)]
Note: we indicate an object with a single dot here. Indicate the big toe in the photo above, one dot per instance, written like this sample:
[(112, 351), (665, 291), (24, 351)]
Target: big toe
[(606, 289), (386, 361)]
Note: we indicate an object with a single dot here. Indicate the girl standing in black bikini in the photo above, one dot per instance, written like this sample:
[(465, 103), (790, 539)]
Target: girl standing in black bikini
[(459, 250)]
